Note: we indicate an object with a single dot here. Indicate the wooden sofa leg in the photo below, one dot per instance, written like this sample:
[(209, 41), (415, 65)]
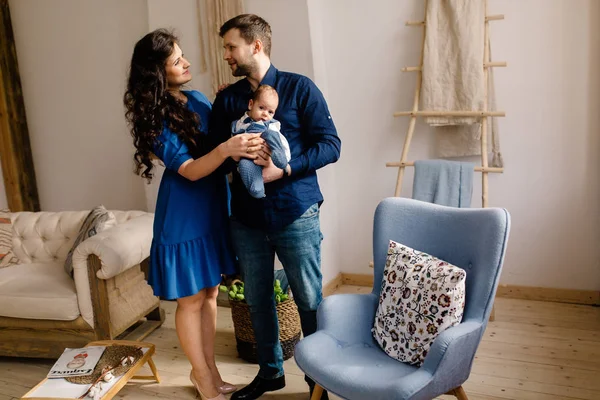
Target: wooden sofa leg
[(154, 319), (459, 392), (317, 392), (158, 314)]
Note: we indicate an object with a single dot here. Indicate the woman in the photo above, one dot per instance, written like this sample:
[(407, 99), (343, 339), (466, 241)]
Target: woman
[(190, 249)]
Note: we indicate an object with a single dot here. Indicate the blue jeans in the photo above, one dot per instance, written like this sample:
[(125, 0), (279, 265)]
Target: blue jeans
[(298, 247)]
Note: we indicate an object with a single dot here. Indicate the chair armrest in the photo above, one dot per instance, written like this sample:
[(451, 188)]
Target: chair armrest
[(454, 350), (348, 317), (118, 248)]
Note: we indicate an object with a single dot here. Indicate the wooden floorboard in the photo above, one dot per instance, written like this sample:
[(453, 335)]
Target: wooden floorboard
[(533, 350)]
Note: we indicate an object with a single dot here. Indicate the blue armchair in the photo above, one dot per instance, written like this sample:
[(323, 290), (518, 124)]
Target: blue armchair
[(342, 356)]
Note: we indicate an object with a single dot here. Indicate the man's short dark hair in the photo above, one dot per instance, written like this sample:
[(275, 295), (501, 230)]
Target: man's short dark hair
[(251, 27)]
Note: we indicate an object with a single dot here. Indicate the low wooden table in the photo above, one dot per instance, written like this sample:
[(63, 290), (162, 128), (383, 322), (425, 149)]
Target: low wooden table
[(53, 386)]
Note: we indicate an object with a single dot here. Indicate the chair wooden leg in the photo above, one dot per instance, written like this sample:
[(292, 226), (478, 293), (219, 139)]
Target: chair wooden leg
[(493, 314), (459, 392), (317, 392)]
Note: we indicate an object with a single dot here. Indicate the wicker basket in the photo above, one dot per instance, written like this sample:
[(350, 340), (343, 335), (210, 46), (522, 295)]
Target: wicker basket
[(289, 329)]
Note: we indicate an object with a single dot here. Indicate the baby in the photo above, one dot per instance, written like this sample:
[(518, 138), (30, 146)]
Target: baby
[(259, 119)]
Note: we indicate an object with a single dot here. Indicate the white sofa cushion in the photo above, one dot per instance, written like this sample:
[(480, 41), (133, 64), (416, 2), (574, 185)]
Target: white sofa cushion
[(45, 237), (41, 237), (38, 291)]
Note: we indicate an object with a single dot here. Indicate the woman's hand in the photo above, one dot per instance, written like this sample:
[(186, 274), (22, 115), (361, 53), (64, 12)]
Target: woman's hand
[(245, 145)]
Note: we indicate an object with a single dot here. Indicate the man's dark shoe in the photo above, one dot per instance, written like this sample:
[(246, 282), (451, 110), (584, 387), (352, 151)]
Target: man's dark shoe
[(258, 387), (311, 386)]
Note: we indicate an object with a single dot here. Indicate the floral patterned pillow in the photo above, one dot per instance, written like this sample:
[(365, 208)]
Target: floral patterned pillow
[(421, 296)]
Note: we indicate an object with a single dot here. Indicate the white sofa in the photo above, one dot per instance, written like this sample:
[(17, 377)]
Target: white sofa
[(43, 310)]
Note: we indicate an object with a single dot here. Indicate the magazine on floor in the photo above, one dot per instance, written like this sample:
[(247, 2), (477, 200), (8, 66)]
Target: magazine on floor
[(76, 362)]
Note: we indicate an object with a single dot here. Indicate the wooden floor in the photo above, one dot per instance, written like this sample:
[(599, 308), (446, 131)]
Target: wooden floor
[(534, 350)]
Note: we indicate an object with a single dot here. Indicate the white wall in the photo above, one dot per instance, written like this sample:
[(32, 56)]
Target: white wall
[(73, 58), (550, 137), (328, 178), (550, 91), (291, 48)]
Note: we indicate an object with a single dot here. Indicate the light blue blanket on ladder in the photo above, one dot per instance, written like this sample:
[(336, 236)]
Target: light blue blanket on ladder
[(448, 183)]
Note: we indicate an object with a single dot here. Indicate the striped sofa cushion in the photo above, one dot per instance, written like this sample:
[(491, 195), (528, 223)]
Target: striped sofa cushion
[(98, 220), (7, 257)]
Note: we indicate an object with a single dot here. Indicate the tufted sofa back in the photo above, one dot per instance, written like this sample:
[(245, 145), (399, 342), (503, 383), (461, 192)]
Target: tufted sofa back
[(40, 237)]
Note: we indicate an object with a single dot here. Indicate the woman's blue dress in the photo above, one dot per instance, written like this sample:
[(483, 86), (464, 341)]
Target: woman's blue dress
[(191, 246)]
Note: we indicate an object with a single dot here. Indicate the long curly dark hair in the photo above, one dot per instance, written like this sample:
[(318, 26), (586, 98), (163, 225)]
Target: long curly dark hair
[(150, 107)]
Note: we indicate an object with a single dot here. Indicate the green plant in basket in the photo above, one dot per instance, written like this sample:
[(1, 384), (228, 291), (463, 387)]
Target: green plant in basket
[(280, 296), (236, 291)]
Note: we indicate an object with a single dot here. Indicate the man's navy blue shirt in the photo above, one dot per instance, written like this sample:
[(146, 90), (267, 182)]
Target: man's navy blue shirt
[(314, 143)]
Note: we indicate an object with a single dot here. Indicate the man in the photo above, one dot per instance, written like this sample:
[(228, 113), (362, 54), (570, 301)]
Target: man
[(286, 221)]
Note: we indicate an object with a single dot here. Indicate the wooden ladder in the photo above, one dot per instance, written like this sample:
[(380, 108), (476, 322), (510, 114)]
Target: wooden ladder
[(482, 115)]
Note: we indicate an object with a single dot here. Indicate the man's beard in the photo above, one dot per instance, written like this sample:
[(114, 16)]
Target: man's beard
[(243, 70)]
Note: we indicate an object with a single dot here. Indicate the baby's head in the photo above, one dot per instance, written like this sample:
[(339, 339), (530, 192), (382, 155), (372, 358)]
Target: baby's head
[(263, 104)]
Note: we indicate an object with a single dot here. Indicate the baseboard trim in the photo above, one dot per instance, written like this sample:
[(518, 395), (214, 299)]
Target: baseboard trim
[(587, 297), (572, 296), (357, 279), (331, 286)]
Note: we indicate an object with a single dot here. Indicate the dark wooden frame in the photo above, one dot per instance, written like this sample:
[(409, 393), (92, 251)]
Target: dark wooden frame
[(15, 147)]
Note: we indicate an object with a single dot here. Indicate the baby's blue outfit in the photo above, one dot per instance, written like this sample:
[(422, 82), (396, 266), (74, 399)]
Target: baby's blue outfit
[(191, 246), (251, 173)]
